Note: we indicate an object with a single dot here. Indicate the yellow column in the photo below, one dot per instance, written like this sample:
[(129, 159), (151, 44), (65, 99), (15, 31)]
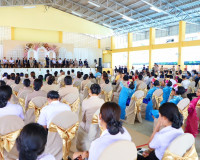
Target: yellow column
[(99, 43), (112, 47), (12, 33), (60, 37), (130, 44), (151, 43), (182, 28)]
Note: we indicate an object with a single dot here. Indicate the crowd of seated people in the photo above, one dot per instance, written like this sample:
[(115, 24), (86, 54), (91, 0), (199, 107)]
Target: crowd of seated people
[(47, 63), (101, 99)]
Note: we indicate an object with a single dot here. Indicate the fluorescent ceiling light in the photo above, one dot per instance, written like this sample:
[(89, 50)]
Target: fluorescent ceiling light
[(156, 9), (94, 4), (106, 25), (27, 7), (76, 13), (127, 18)]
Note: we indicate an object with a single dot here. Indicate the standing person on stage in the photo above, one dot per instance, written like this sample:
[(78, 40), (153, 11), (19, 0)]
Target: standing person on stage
[(5, 62), (28, 63), (31, 62), (23, 62), (12, 62), (35, 65), (47, 61), (60, 63), (80, 63), (64, 63), (18, 63), (125, 69)]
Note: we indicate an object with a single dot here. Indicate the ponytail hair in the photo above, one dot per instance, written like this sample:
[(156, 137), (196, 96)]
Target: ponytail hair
[(5, 95), (110, 113), (169, 84), (171, 112)]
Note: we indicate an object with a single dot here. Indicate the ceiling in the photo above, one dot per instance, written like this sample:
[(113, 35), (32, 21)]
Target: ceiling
[(124, 16)]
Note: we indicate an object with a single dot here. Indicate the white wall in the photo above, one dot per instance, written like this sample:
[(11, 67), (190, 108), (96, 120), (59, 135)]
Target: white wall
[(80, 40), (5, 34)]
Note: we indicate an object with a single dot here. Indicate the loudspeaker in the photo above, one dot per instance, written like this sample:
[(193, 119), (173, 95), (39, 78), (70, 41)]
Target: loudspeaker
[(99, 68), (100, 61)]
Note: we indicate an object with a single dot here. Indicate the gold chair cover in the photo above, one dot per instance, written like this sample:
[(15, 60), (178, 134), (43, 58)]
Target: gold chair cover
[(158, 100), (22, 103), (184, 112), (138, 103), (198, 104), (189, 155), (7, 142), (108, 95), (37, 109), (66, 135), (133, 111), (98, 80), (74, 106), (192, 89), (15, 93), (95, 119)]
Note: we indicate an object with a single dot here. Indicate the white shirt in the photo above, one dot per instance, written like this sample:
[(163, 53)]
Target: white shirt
[(173, 82), (60, 61), (11, 61), (106, 139), (54, 61), (185, 83), (163, 138), (12, 109), (50, 111), (46, 157), (5, 61)]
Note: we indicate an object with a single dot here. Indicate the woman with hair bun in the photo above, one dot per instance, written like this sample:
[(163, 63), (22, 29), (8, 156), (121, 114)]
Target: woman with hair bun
[(7, 108), (177, 92), (166, 91), (31, 143), (109, 121), (172, 120)]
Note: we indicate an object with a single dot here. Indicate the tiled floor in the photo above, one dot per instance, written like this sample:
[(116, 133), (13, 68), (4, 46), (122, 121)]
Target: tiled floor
[(141, 132)]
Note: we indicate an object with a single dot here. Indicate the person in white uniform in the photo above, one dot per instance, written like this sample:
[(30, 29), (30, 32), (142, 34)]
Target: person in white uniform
[(186, 82), (172, 120), (7, 108), (50, 111), (109, 121), (11, 62), (5, 62), (31, 143)]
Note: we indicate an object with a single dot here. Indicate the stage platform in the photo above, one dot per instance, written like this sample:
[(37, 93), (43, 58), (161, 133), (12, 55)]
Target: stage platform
[(42, 71)]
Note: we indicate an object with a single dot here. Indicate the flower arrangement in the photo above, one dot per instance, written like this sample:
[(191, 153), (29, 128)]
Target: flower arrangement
[(35, 46)]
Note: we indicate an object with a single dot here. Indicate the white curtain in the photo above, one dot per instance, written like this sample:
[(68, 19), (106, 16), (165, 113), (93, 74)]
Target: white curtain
[(1, 51), (119, 59), (88, 53)]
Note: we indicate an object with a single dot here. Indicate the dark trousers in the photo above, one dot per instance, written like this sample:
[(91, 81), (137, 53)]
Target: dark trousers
[(191, 95), (152, 156)]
